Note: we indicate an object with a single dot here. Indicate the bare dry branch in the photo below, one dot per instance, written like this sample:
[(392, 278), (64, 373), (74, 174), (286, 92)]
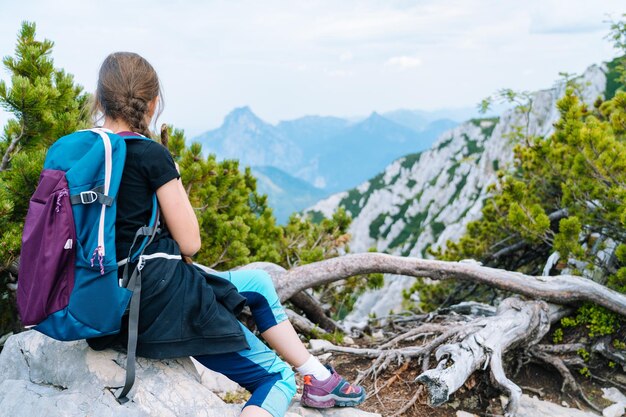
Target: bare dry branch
[(314, 311), (562, 289), (6, 158)]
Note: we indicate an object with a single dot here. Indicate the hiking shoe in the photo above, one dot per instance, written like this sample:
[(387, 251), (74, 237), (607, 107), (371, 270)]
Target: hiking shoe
[(331, 392)]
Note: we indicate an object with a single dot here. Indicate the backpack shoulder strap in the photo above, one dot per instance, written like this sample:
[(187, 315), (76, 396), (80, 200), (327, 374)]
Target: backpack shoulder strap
[(134, 284)]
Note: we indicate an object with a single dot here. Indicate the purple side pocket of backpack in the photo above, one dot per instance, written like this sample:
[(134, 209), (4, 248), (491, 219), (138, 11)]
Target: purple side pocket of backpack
[(46, 274)]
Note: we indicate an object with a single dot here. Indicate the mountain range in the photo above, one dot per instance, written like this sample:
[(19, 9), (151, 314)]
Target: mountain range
[(300, 161)]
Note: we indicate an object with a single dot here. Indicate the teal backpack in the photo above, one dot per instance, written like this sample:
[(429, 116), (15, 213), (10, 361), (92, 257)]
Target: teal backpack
[(69, 287)]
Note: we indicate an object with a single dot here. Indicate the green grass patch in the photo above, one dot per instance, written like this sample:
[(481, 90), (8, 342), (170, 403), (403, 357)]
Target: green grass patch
[(473, 147), (486, 130), (612, 77), (437, 228), (410, 160), (434, 180), (445, 143), (377, 224), (452, 170), (316, 216), (459, 188), (354, 201), (351, 202), (413, 227)]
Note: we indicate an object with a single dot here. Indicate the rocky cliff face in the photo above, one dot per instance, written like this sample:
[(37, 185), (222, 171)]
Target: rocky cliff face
[(427, 198)]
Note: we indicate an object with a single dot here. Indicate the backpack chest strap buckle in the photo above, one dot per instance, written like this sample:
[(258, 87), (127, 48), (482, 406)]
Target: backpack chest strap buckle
[(92, 196), (88, 197)]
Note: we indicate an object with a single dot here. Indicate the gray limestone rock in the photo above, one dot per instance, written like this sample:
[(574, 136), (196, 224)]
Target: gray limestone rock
[(41, 376), (534, 407)]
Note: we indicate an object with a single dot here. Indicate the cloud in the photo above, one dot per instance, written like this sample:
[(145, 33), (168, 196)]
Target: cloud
[(345, 56), (403, 62), (338, 73), (552, 17)]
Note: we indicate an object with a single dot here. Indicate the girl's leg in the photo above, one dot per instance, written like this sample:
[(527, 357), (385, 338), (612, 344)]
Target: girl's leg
[(254, 411), (323, 387), (259, 370), (284, 339), (269, 315)]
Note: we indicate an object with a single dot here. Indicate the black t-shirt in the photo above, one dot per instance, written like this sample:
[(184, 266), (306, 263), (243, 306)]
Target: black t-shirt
[(148, 166)]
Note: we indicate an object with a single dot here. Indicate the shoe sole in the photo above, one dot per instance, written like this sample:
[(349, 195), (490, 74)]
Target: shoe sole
[(349, 403), (336, 403)]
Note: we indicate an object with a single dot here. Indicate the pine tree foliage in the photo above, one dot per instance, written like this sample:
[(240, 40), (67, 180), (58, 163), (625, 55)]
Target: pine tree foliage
[(46, 104), (566, 195)]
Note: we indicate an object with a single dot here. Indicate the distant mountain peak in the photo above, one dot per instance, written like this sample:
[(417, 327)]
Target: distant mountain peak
[(242, 115), (241, 111), (376, 121), (374, 118)]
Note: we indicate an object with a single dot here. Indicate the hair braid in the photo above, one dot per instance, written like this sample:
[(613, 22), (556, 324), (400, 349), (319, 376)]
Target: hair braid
[(135, 113), (127, 83)]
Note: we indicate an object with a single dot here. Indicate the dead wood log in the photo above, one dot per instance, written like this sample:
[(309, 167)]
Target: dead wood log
[(604, 348), (515, 322), (561, 289)]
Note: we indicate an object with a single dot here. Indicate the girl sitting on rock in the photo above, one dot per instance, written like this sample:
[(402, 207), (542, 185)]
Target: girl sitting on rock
[(187, 310)]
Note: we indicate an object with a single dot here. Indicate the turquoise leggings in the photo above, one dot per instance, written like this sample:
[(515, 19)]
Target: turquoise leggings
[(258, 369)]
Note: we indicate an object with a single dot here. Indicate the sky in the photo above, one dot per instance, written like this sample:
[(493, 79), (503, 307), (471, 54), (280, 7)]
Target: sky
[(290, 58)]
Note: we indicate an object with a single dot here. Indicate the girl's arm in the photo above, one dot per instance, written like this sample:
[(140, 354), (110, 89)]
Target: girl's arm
[(179, 216)]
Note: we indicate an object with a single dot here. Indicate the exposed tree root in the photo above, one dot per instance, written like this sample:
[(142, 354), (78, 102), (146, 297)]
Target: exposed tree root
[(559, 365), (418, 392), (515, 322), (471, 345), (394, 378), (604, 348), (560, 349), (568, 378)]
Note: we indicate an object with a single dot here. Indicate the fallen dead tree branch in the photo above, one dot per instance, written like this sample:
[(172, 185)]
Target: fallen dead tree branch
[(561, 289), (314, 311), (302, 324), (473, 343)]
